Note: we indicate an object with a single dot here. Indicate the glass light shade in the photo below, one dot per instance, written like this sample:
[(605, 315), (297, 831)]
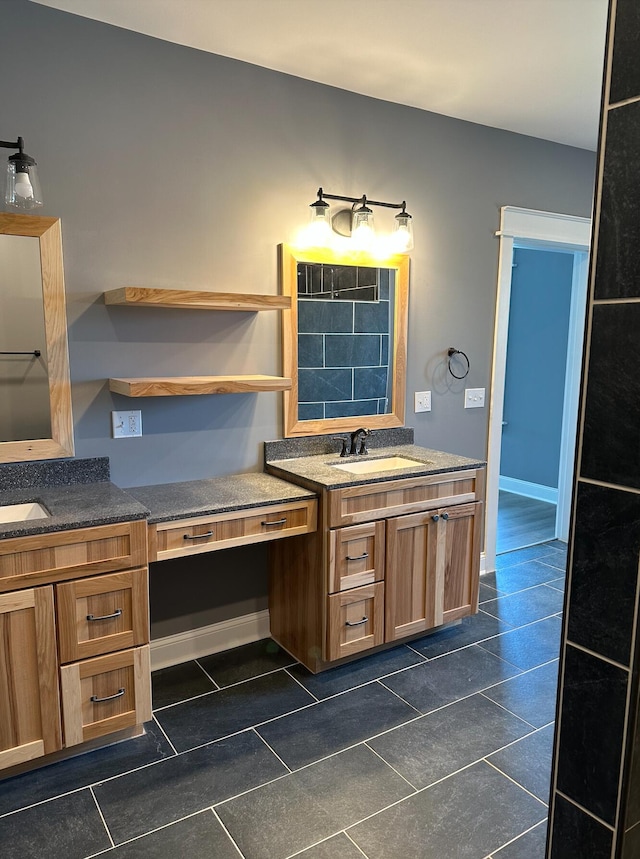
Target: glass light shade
[(23, 187), (402, 239), (362, 229), (318, 232)]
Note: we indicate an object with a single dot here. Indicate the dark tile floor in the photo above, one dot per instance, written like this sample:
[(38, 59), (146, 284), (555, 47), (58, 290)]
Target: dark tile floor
[(438, 749)]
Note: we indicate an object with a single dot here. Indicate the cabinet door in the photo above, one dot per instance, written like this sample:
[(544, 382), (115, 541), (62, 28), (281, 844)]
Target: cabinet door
[(460, 560), (432, 570), (414, 585), (29, 697), (356, 556), (356, 620)]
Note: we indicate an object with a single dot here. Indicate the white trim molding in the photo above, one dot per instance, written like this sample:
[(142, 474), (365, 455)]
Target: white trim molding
[(529, 228), (530, 490), (194, 643)]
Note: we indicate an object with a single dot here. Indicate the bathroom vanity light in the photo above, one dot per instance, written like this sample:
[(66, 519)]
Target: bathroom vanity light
[(356, 226), (22, 187)]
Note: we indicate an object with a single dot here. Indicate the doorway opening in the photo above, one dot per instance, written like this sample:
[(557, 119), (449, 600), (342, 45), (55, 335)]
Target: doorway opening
[(531, 450)]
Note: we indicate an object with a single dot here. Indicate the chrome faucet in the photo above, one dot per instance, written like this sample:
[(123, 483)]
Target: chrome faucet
[(361, 434)]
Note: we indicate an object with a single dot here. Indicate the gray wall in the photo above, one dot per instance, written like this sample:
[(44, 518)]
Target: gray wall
[(173, 167), (536, 361)]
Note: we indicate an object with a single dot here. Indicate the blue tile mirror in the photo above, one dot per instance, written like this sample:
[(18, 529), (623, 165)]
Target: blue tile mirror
[(344, 340)]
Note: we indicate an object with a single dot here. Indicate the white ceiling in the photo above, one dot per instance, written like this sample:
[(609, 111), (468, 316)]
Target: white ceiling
[(530, 66)]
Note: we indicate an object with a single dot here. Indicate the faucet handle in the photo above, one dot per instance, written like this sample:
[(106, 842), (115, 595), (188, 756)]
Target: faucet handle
[(343, 452)]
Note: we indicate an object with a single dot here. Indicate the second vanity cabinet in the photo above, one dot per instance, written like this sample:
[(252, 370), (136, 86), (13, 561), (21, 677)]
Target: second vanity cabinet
[(74, 664), (394, 559)]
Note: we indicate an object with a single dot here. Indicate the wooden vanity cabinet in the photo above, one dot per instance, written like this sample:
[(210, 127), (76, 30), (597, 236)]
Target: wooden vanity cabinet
[(392, 560), (74, 661), (30, 724)]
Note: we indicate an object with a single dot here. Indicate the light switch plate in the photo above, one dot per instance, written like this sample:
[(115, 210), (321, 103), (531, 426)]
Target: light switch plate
[(422, 401), (474, 398), (126, 424)]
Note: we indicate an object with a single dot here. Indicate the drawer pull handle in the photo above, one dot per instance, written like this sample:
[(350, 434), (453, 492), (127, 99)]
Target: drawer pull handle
[(276, 522), (198, 536), (357, 622), (445, 516), (95, 700), (358, 557), (93, 617), (435, 517)]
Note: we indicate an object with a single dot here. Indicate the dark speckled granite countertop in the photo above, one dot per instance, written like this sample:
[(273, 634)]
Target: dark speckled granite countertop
[(319, 469), (170, 501), (76, 493)]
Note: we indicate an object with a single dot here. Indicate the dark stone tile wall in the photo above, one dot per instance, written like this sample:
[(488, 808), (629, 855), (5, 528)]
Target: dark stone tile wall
[(595, 797), (344, 371)]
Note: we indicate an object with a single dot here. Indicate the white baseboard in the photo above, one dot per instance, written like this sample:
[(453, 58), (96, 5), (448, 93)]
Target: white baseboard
[(483, 563), (174, 649), (529, 490)]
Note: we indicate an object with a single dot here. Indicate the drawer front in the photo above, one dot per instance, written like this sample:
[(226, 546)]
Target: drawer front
[(255, 525), (62, 555), (105, 694), (355, 620), (356, 556), (101, 614), (355, 504)]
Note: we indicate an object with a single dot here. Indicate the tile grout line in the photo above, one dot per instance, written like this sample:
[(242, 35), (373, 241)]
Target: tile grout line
[(204, 671), (494, 853), (164, 734), (260, 737), (302, 686), (104, 822), (517, 783), (586, 811), (391, 767), (229, 835)]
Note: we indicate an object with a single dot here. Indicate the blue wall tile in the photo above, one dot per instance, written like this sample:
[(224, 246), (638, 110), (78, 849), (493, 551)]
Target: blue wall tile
[(320, 316), (353, 408), (369, 382), (372, 317), (352, 350), (322, 385), (310, 350)]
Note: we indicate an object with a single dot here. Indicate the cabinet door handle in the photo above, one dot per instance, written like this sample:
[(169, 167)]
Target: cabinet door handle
[(358, 557), (93, 617), (95, 700), (357, 622), (435, 517), (445, 516), (276, 522), (198, 536)]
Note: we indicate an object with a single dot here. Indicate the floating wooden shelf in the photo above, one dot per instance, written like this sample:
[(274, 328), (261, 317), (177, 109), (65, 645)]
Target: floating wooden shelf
[(140, 296), (179, 386)]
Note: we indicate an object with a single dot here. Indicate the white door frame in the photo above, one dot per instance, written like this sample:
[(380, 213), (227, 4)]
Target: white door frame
[(550, 231)]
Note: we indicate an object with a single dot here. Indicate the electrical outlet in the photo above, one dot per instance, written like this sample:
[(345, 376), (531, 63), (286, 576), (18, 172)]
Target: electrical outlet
[(126, 424), (474, 398), (422, 401)]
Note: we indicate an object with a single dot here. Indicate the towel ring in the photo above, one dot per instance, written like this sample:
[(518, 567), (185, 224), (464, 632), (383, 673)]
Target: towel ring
[(451, 352)]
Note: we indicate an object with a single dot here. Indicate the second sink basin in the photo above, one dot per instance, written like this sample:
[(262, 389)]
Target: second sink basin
[(387, 463), (22, 512)]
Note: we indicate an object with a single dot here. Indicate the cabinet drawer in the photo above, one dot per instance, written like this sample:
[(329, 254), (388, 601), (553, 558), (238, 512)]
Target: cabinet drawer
[(101, 614), (105, 694), (224, 530), (356, 556), (355, 504), (61, 555), (355, 620)]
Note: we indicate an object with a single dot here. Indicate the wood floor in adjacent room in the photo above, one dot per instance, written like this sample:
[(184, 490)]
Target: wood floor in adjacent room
[(523, 522)]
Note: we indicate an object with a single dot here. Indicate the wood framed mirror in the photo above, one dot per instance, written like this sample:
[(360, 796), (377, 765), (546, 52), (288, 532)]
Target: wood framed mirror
[(35, 390), (344, 340)]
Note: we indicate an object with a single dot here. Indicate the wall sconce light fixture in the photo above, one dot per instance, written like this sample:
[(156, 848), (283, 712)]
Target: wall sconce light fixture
[(357, 223), (23, 186)]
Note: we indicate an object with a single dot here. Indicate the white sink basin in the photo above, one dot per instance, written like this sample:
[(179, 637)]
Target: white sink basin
[(22, 512), (387, 463)]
